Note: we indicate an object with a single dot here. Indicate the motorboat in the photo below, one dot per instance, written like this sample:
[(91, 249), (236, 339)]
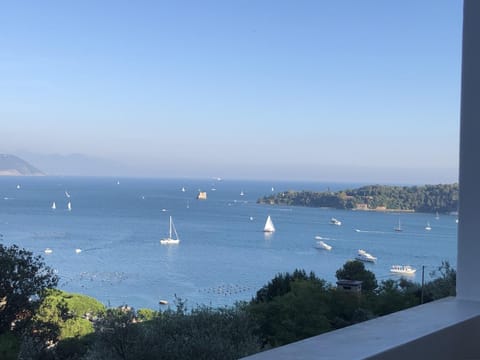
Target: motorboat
[(323, 245), (362, 255), (334, 221), (403, 269)]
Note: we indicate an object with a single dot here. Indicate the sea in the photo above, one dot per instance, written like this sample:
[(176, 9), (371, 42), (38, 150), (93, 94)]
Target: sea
[(108, 245)]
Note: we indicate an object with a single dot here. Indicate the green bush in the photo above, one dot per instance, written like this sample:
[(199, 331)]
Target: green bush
[(9, 346)]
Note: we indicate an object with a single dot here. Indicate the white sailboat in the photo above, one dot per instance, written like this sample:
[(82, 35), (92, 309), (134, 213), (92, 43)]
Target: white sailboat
[(172, 235), (398, 228), (54, 206), (428, 227), (69, 206), (269, 225)]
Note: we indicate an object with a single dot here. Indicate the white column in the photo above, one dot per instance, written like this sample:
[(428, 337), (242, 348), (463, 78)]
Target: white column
[(468, 261)]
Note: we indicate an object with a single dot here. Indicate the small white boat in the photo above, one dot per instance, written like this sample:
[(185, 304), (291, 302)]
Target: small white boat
[(403, 269), (183, 189), (362, 255), (172, 235), (241, 193), (334, 221), (269, 225), (69, 206), (78, 251), (54, 206), (323, 245), (48, 251), (67, 194), (18, 186), (428, 227), (163, 302)]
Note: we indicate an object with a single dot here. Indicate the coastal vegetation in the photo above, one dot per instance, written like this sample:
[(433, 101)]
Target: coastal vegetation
[(292, 306), (428, 198)]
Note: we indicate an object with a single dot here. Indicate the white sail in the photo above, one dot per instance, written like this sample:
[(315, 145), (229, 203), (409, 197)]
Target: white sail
[(69, 206), (398, 228), (269, 225), (54, 206), (172, 235), (67, 194)]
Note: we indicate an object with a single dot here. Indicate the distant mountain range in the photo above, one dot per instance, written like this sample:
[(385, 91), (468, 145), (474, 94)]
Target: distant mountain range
[(11, 165), (76, 165)]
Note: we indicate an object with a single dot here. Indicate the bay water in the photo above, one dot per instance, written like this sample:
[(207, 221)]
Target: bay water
[(223, 256)]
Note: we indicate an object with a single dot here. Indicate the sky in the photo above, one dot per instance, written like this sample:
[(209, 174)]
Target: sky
[(348, 90)]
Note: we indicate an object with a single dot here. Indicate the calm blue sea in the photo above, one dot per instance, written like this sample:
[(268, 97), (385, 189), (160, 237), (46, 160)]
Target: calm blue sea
[(223, 256)]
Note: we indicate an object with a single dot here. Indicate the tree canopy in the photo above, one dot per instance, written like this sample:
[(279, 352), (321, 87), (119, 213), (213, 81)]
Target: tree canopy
[(23, 281), (355, 270), (427, 198)]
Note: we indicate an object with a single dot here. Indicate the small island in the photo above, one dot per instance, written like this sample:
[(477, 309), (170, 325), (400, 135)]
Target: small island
[(427, 198)]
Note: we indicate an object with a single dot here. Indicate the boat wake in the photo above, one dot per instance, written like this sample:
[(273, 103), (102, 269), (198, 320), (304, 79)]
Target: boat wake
[(370, 231), (322, 238)]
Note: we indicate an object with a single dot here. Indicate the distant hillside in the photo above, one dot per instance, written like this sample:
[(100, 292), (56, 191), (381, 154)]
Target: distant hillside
[(11, 165), (428, 198)]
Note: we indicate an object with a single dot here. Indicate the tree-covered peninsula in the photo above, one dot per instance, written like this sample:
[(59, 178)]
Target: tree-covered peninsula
[(427, 198)]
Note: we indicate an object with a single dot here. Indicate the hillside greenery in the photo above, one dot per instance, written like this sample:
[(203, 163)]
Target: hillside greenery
[(427, 198)]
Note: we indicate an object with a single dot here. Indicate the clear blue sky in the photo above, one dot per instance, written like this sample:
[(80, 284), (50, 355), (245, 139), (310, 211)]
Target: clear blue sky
[(320, 90)]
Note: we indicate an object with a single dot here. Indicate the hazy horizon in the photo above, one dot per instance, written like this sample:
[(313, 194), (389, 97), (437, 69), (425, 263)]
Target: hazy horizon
[(80, 165), (313, 90)]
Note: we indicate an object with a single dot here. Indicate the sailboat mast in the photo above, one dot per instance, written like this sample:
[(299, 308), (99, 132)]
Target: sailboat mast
[(170, 230)]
